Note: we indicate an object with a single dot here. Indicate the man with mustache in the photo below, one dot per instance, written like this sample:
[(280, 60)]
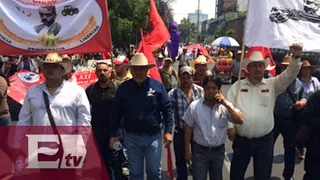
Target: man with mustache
[(49, 26), (255, 97), (101, 97), (181, 96)]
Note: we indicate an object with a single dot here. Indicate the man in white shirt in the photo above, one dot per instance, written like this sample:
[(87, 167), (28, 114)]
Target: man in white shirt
[(256, 98), (208, 119), (68, 104)]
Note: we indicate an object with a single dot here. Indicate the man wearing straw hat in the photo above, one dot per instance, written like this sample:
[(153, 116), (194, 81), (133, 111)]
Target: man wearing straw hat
[(285, 122), (55, 102), (255, 96), (143, 106), (201, 67)]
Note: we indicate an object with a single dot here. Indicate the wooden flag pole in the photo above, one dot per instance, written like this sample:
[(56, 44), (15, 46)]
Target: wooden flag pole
[(239, 75), (111, 53)]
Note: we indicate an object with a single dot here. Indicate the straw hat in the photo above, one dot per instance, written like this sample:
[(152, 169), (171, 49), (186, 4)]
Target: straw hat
[(199, 60), (286, 60), (54, 58), (256, 56), (269, 68), (139, 59), (168, 59), (305, 63), (160, 56)]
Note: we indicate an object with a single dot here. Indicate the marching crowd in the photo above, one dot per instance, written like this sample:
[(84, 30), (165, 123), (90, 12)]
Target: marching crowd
[(126, 106)]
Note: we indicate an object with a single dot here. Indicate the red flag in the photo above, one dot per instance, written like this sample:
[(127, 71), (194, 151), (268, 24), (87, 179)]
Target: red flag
[(156, 36), (266, 53), (169, 161), (203, 50)]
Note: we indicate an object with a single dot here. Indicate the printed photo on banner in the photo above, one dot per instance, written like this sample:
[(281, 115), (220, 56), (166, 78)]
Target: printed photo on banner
[(52, 25)]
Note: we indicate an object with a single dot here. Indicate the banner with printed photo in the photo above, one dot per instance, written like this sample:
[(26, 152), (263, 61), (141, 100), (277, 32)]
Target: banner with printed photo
[(32, 27), (21, 81), (279, 23)]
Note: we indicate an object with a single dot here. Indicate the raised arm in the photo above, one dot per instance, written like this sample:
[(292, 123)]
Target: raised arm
[(286, 78)]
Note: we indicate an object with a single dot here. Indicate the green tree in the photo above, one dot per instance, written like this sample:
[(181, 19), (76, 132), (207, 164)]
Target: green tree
[(127, 17), (188, 30)]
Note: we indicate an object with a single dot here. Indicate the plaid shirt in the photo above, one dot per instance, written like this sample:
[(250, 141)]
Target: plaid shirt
[(180, 102)]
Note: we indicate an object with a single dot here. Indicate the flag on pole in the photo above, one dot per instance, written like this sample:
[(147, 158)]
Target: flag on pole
[(279, 23), (169, 161), (156, 36)]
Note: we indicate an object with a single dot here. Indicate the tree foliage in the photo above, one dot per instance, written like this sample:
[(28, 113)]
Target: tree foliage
[(188, 30), (127, 17)]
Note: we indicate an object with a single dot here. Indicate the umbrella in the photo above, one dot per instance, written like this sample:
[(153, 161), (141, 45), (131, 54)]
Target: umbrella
[(225, 41)]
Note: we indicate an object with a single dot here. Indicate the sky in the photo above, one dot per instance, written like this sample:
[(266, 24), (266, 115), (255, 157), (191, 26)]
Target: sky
[(181, 8)]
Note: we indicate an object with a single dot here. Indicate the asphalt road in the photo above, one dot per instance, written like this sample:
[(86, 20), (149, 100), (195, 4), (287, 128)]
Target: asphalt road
[(278, 160)]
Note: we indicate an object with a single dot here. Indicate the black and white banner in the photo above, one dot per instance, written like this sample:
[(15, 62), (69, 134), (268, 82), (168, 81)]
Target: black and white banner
[(279, 23)]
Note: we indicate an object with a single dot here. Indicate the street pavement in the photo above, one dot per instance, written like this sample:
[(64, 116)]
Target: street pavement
[(278, 160)]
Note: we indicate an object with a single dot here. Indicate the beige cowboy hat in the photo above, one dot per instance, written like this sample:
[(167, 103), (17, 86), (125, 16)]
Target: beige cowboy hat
[(199, 60), (305, 63), (167, 59), (55, 58), (256, 56), (286, 60), (138, 60)]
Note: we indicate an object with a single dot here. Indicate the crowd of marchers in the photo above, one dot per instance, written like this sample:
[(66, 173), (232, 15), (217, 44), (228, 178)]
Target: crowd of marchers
[(133, 116)]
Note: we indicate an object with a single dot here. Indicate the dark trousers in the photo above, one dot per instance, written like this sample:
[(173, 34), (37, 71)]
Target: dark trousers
[(261, 149), (287, 128), (110, 159), (178, 146), (206, 160), (5, 123), (312, 166)]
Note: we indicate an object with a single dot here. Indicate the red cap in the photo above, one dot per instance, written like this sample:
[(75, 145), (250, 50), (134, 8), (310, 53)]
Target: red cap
[(121, 60)]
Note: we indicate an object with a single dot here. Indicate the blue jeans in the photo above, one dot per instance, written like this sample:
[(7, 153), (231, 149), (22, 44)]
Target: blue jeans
[(261, 149), (5, 121), (206, 160), (287, 128), (140, 148), (4, 132), (178, 145)]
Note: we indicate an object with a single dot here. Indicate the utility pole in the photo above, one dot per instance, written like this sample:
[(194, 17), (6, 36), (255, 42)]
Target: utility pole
[(198, 22)]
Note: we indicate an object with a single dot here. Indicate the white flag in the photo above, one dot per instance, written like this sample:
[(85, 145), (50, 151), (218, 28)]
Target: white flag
[(279, 23)]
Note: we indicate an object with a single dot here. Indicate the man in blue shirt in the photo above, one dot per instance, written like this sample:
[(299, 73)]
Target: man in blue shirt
[(143, 106), (285, 122)]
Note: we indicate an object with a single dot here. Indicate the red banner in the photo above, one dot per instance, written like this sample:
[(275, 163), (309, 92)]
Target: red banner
[(29, 27), (21, 81)]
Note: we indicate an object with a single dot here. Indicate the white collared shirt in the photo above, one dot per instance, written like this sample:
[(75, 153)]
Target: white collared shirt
[(69, 106), (209, 124), (256, 102)]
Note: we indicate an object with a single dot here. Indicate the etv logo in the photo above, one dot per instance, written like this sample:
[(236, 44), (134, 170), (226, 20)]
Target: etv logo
[(74, 151)]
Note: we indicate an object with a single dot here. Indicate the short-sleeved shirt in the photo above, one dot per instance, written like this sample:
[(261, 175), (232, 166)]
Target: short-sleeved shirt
[(209, 124), (166, 76)]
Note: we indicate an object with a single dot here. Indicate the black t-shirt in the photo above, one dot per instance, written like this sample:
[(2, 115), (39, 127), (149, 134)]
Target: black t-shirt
[(102, 104)]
